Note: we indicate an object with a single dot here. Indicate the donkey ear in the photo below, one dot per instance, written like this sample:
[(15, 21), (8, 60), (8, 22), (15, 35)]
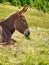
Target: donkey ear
[(24, 9)]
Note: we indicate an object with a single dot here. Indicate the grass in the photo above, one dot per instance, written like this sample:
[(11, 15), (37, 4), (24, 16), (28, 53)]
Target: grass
[(33, 50)]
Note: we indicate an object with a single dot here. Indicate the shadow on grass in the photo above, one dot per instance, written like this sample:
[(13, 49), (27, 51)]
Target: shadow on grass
[(28, 38)]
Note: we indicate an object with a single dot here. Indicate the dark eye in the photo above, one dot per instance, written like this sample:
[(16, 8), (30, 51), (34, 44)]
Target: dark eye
[(24, 20)]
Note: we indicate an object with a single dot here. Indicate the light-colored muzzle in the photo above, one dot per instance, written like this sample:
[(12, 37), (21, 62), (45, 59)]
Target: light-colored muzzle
[(27, 32)]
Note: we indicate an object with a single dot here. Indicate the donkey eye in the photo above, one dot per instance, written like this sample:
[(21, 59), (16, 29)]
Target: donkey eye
[(24, 21)]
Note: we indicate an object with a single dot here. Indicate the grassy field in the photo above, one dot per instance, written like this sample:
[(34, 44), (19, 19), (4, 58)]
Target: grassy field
[(27, 51)]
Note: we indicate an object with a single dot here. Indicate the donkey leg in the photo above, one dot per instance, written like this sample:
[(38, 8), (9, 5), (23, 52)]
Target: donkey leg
[(6, 34), (11, 42)]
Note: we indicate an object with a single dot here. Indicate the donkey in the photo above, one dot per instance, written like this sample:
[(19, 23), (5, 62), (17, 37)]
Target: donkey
[(15, 21)]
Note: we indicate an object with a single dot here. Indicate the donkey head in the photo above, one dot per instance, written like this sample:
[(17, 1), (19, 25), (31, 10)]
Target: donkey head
[(20, 23)]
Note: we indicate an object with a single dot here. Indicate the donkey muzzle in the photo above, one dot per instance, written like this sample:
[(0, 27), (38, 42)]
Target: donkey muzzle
[(27, 32)]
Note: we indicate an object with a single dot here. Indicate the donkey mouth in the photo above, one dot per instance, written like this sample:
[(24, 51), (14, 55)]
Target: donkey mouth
[(27, 33)]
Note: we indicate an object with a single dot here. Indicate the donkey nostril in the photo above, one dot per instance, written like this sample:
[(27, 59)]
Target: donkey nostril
[(29, 32)]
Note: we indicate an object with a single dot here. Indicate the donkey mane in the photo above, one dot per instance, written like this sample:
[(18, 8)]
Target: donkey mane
[(10, 15)]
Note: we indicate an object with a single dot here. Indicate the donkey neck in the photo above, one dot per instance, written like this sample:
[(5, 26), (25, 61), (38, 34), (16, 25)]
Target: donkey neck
[(8, 22)]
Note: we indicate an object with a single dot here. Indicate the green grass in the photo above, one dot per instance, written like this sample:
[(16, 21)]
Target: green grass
[(27, 51)]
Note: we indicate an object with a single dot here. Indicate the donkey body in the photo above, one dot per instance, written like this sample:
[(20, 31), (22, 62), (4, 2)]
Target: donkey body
[(14, 21)]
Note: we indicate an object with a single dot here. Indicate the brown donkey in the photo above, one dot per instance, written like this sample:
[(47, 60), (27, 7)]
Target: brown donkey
[(15, 21)]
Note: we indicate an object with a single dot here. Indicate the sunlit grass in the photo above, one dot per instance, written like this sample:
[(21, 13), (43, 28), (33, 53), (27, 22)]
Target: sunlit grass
[(27, 51)]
